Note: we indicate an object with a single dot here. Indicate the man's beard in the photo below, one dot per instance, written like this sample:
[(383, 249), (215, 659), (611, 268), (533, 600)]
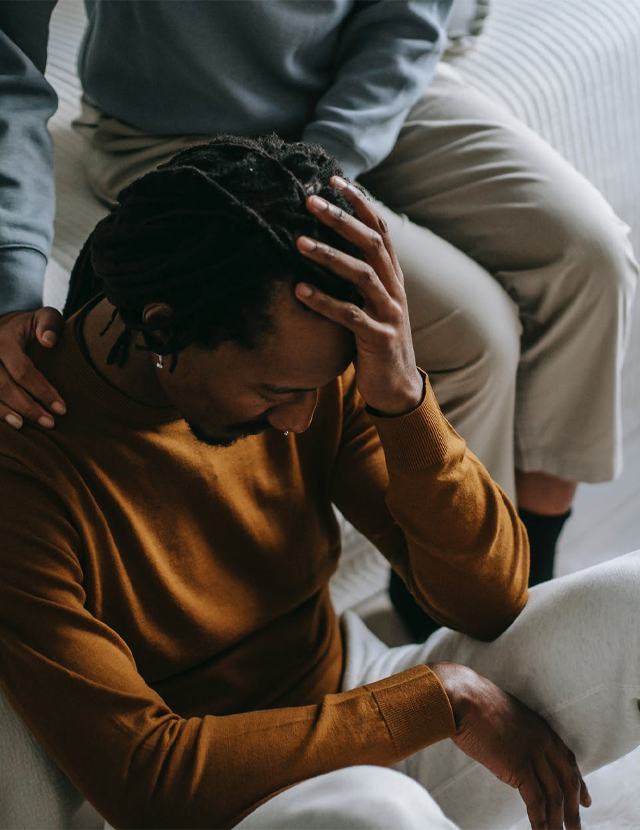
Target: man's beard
[(236, 432)]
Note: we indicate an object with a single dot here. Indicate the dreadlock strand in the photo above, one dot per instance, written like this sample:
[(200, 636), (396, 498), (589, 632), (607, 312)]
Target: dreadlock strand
[(119, 352), (210, 233), (112, 318)]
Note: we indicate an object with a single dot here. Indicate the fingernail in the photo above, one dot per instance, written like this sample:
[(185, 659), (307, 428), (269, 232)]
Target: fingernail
[(320, 203), (303, 290), (338, 181), (307, 244), (58, 407), (46, 421), (50, 338), (14, 421)]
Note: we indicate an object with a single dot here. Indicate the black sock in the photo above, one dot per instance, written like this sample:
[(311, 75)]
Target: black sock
[(416, 620), (543, 534)]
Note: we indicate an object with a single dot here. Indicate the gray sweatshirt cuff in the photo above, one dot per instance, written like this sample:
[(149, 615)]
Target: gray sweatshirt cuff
[(21, 279), (352, 163)]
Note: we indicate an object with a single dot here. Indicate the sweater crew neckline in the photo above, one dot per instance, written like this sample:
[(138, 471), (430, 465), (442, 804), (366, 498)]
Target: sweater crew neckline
[(74, 356)]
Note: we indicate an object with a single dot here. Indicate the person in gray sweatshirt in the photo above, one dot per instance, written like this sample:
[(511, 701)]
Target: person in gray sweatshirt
[(519, 276)]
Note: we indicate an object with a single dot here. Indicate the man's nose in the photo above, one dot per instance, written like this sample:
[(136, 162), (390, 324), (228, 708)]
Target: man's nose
[(295, 415)]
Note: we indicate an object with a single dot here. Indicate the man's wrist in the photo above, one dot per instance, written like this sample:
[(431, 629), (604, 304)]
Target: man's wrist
[(459, 682), (405, 401)]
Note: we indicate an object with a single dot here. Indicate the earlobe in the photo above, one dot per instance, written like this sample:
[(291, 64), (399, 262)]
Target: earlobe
[(156, 318), (157, 313)]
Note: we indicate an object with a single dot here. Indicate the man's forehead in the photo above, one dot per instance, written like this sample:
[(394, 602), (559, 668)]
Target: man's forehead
[(302, 351)]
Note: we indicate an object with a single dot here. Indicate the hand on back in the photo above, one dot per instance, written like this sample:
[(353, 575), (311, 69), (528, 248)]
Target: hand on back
[(516, 745), (25, 394)]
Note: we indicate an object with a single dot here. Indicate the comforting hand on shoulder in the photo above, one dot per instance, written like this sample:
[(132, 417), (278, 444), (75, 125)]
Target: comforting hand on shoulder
[(24, 392), (386, 372)]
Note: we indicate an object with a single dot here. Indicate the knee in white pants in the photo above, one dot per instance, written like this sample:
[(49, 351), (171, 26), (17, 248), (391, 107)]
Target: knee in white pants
[(355, 798)]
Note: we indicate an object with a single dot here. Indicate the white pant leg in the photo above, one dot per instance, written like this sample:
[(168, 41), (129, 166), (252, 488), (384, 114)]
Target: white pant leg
[(573, 655), (355, 798)]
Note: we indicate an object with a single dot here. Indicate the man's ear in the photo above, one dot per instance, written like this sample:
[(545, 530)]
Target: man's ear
[(159, 314)]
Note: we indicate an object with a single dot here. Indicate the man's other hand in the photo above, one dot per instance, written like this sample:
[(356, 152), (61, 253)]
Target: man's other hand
[(516, 745), (386, 372), (24, 392)]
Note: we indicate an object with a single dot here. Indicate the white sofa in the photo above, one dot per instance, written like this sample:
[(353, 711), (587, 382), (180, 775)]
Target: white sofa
[(568, 68)]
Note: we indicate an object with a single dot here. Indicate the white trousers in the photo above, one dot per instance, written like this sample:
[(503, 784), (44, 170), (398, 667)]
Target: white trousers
[(573, 655), (519, 276)]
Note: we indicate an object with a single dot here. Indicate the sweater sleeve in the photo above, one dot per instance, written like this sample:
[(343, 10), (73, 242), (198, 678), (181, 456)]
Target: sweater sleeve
[(27, 198), (387, 56), (411, 485), (74, 682)]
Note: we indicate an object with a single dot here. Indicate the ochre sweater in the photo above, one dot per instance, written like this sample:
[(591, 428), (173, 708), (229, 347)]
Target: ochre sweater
[(166, 629)]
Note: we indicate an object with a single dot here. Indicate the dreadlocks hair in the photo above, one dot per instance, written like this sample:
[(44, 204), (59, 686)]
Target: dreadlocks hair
[(210, 233)]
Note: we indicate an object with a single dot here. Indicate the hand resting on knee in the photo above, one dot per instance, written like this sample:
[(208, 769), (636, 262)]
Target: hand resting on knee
[(516, 745)]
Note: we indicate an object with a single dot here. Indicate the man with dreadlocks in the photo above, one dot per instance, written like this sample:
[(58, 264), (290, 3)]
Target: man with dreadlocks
[(518, 274), (166, 629)]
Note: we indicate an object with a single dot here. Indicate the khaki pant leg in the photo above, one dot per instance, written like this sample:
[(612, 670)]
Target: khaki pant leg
[(477, 177), (466, 335), (115, 154)]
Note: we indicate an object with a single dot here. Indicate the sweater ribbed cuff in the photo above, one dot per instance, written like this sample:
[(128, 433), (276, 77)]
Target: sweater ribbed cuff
[(420, 439), (415, 708), (351, 162)]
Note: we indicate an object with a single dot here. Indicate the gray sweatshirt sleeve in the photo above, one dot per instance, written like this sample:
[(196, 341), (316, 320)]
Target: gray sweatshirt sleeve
[(27, 196), (387, 57)]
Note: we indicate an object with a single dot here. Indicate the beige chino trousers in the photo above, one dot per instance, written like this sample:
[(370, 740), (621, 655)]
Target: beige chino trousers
[(519, 276)]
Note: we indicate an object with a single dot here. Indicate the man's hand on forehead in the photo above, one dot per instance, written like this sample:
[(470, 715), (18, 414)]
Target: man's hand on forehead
[(386, 371)]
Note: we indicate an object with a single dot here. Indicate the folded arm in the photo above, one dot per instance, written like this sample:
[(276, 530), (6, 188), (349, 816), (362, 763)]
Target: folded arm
[(74, 681)]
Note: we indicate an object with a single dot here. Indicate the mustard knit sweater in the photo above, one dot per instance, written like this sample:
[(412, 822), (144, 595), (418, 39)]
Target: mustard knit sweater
[(166, 630)]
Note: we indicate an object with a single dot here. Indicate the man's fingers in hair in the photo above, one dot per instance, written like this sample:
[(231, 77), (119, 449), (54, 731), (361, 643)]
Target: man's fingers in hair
[(15, 400), (367, 214), (346, 314), (355, 271), (369, 241)]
